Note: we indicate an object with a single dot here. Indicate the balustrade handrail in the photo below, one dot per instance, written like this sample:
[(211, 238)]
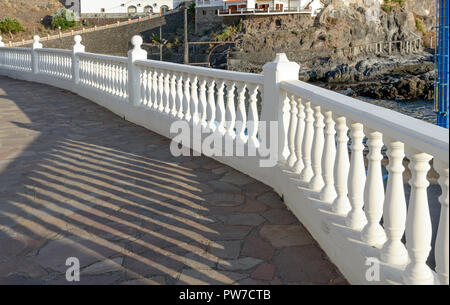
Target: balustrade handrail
[(205, 72), (53, 50), (430, 138), (120, 59)]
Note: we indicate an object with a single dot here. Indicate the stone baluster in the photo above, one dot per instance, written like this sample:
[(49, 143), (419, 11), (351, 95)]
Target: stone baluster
[(328, 192), (160, 97), (442, 240), (144, 82), (166, 95), (373, 233), (307, 172), (341, 205), (317, 182), (253, 119), (155, 89), (203, 102), (179, 99), (211, 106), (194, 99), (241, 121), (299, 133), (418, 221), (187, 97), (230, 111), (356, 219), (173, 94), (148, 88), (292, 129), (394, 208), (221, 108)]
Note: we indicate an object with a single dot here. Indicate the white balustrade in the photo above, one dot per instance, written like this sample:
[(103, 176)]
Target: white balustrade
[(313, 127), (373, 233), (442, 239), (317, 182), (356, 178), (308, 135), (328, 192), (418, 222), (394, 207)]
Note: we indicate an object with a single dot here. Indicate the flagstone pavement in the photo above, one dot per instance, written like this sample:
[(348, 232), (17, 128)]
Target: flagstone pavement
[(78, 181)]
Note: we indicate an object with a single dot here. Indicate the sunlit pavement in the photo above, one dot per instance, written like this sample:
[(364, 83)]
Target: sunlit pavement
[(78, 181)]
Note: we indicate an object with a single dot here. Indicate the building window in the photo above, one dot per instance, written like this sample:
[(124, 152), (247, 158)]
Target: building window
[(102, 10), (132, 10), (164, 9), (204, 12), (148, 9)]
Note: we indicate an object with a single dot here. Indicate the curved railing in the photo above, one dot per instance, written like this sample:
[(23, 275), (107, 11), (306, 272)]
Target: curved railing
[(329, 150)]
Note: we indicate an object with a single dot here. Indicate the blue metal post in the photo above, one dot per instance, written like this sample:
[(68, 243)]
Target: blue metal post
[(441, 63)]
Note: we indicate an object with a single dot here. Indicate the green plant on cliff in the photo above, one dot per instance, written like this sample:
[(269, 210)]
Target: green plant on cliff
[(390, 5), (420, 27), (226, 33), (63, 19), (10, 25)]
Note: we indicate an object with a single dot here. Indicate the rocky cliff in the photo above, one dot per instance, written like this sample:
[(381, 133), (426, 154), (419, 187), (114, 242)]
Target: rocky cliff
[(320, 44)]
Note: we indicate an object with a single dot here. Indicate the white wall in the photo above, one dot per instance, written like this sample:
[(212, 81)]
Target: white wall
[(115, 6)]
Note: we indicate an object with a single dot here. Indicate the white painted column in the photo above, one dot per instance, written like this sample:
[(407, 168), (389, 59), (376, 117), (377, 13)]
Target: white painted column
[(307, 172), (194, 99), (356, 219), (299, 132), (137, 53), (441, 249), (203, 102), (317, 182), (373, 232), (34, 56), (2, 44), (328, 192), (292, 130), (253, 120), (77, 47), (230, 111), (281, 69), (341, 205), (418, 221), (394, 209)]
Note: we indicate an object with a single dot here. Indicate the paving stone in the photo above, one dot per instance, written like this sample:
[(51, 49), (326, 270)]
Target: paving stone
[(264, 271), (237, 178), (258, 248), (280, 216), (105, 266), (209, 277), (243, 263), (249, 219), (285, 235), (157, 280), (226, 249), (55, 253), (304, 264), (271, 199)]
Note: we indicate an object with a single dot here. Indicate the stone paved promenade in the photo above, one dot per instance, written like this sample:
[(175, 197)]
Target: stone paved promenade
[(78, 181)]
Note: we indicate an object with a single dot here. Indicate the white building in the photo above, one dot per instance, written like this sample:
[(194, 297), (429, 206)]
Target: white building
[(120, 8), (314, 5)]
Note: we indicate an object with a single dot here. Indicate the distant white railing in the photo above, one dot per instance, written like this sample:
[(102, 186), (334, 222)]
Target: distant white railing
[(329, 178)]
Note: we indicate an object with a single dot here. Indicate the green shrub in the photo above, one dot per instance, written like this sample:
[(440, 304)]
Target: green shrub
[(63, 19), (10, 25), (420, 27), (387, 8), (227, 33)]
